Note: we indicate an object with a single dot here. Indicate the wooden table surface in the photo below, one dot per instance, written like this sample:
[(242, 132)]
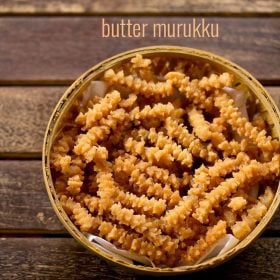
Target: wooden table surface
[(44, 46)]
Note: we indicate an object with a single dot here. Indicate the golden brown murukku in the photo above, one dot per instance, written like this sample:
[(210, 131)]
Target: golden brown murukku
[(165, 164)]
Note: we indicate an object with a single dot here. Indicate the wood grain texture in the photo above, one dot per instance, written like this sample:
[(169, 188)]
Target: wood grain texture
[(144, 6), (25, 112), (58, 49), (52, 258), (22, 132), (24, 203), (64, 258)]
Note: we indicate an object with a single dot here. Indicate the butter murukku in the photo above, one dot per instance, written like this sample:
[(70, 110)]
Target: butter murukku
[(99, 110), (243, 127), (138, 85), (254, 214), (166, 163)]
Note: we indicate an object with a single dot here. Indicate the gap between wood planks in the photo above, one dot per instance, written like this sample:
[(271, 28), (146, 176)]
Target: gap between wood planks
[(21, 233), (275, 14), (144, 7)]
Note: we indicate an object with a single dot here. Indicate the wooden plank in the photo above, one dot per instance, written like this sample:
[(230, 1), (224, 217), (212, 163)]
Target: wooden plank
[(22, 132), (64, 258), (52, 258), (59, 49), (144, 6), (24, 202), (25, 112)]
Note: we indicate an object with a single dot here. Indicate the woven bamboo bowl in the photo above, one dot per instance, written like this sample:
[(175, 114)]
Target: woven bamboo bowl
[(269, 109)]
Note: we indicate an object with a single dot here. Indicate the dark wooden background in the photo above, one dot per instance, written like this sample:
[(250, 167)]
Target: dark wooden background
[(44, 46)]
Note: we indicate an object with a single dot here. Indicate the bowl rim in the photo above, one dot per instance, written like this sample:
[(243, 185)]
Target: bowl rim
[(73, 90)]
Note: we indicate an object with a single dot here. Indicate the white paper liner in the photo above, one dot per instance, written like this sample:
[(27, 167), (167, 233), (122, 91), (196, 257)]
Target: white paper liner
[(239, 99), (108, 247), (230, 242), (219, 248), (95, 88), (222, 246), (240, 102)]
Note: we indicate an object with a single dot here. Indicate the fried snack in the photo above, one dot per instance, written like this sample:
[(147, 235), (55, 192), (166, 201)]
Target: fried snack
[(80, 215), (99, 110), (129, 102), (254, 214), (195, 90), (142, 67), (229, 216), (60, 161), (162, 175), (139, 62), (92, 203), (87, 143), (179, 213), (138, 85), (237, 203), (243, 127), (216, 81), (190, 89), (145, 226), (60, 184), (206, 179), (145, 184), (75, 184), (164, 164), (142, 204), (157, 111), (200, 126), (203, 130), (72, 167), (213, 235), (132, 242), (141, 181), (129, 163), (164, 142), (153, 155), (125, 216), (179, 132), (95, 153), (252, 172), (107, 190)]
